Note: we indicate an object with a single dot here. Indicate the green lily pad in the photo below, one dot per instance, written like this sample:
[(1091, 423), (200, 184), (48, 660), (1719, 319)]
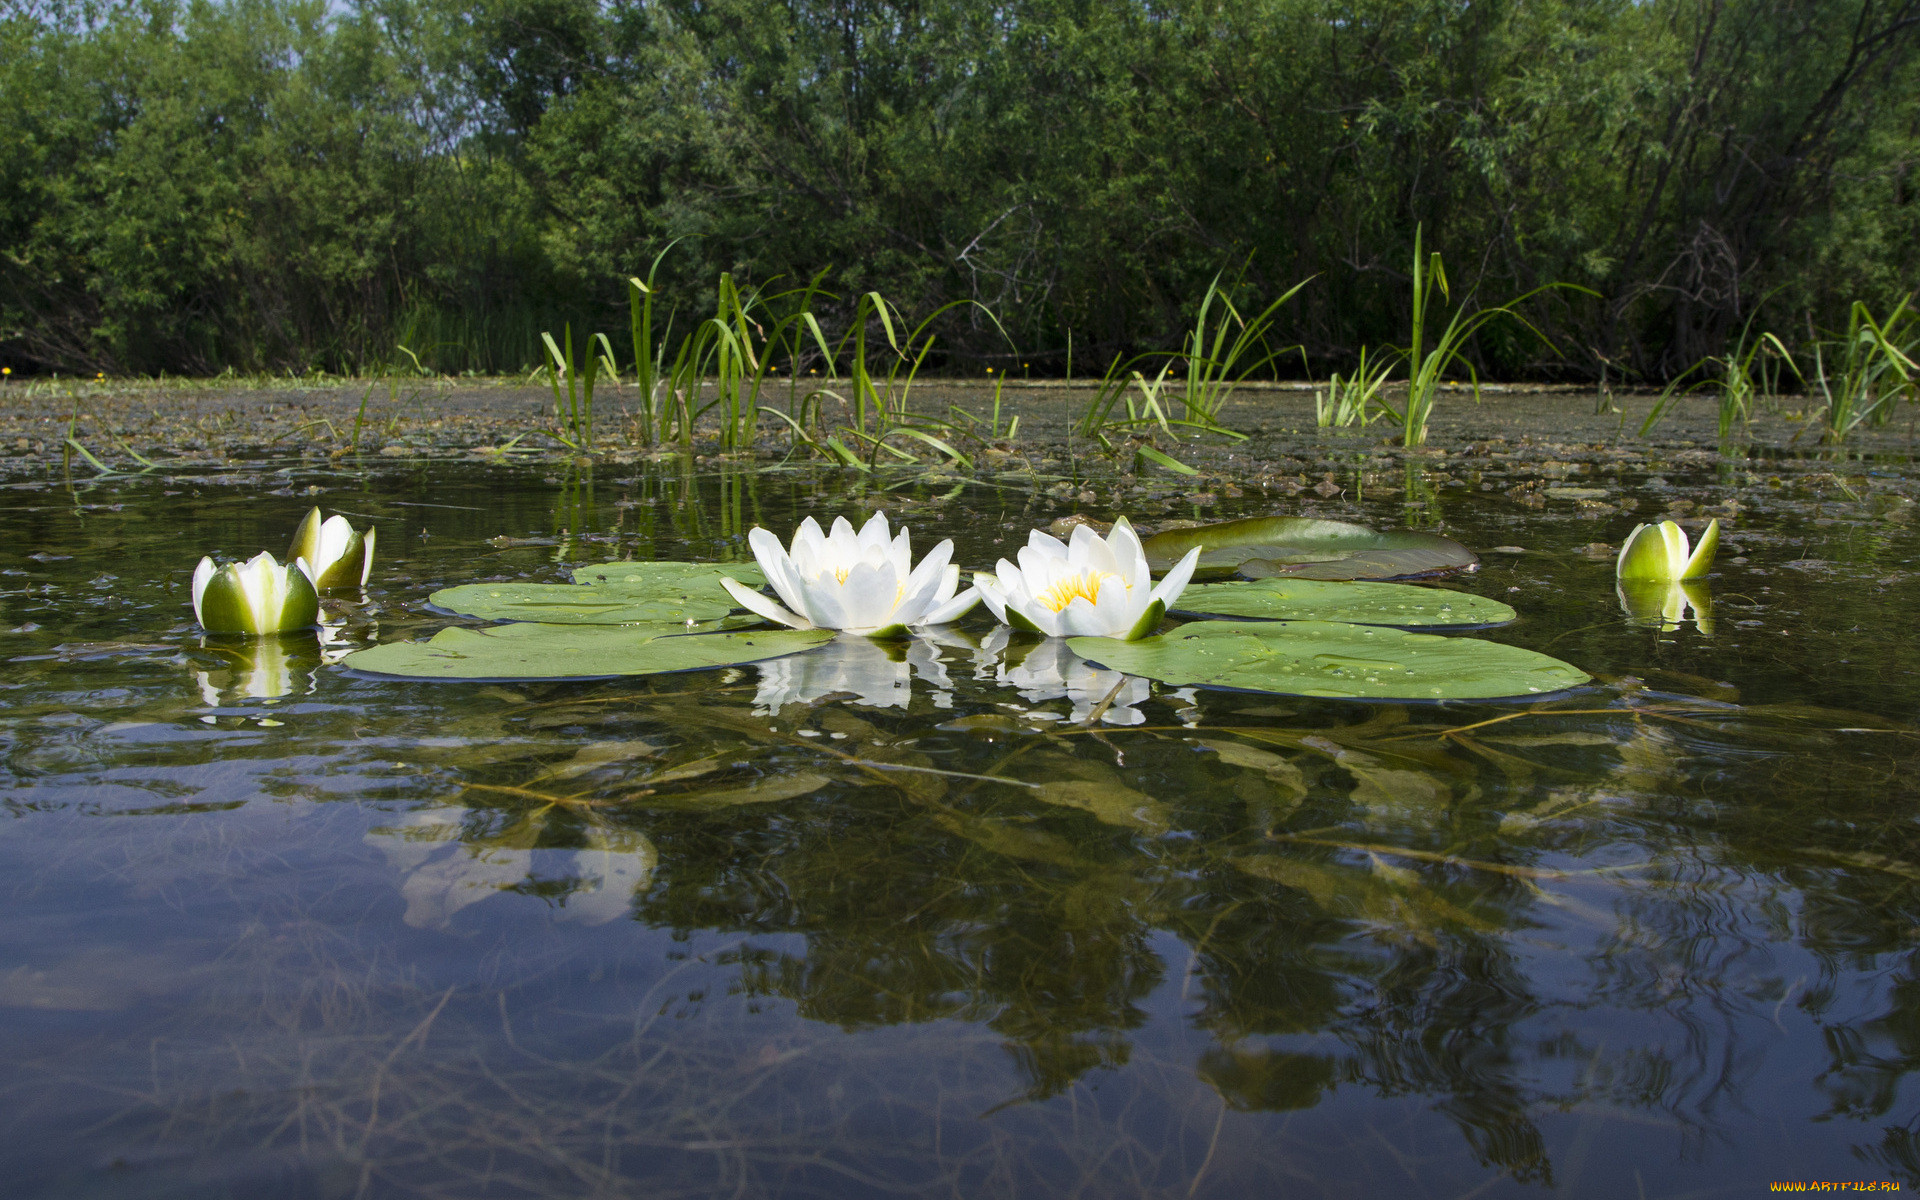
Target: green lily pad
[(692, 578), (571, 604), (1354, 603), (1326, 658), (541, 651), (1306, 548)]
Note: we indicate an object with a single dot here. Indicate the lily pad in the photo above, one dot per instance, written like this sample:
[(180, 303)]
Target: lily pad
[(529, 650), (1354, 603), (571, 604), (1326, 658), (1306, 548), (623, 593), (693, 578)]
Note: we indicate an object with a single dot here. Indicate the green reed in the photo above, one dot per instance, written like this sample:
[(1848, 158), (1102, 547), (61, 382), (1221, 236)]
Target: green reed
[(1427, 365), (1748, 370), (1873, 368), (1356, 399)]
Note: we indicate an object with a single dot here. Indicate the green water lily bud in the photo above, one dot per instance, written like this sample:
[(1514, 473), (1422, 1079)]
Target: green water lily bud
[(1659, 554), (337, 556), (256, 597)]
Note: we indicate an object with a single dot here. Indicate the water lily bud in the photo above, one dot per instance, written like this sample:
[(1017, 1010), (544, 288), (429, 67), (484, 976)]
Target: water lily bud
[(336, 555), (863, 582), (1087, 587), (256, 597), (1659, 554)]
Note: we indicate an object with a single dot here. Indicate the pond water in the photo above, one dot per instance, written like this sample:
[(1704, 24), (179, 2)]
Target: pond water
[(274, 928)]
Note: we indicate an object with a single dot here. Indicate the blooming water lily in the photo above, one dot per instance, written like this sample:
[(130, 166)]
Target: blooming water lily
[(1090, 586), (863, 582), (1659, 554), (336, 555), (259, 596)]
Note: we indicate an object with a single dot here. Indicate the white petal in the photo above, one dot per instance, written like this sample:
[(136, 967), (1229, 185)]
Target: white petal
[(918, 593), (995, 598), (778, 567), (869, 597), (1175, 580), (201, 574), (955, 608), (763, 605)]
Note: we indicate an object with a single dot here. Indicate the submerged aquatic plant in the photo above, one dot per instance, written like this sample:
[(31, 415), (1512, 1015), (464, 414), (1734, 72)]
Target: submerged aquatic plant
[(863, 582), (335, 554), (259, 596), (1660, 554), (1091, 586)]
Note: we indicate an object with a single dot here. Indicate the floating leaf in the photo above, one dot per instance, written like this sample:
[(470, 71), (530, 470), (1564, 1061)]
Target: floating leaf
[(1305, 548), (694, 578), (1355, 603), (1324, 658), (538, 651), (571, 604)]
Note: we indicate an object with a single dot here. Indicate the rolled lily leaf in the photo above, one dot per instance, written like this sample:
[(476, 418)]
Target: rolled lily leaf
[(1659, 554), (539, 651), (1398, 604), (1307, 548), (257, 597), (1325, 658), (1665, 605), (337, 555)]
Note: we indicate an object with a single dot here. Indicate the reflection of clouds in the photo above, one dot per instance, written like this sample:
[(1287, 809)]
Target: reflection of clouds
[(443, 874), (1665, 605), (1048, 670), (877, 674)]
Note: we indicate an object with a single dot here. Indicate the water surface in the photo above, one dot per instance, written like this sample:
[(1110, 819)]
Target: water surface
[(275, 929)]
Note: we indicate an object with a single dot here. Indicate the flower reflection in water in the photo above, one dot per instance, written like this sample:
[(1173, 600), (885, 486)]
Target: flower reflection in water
[(272, 667), (1047, 670), (876, 674), (1664, 606)]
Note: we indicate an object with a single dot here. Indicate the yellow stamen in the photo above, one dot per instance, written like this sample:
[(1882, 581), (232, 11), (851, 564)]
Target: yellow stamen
[(1085, 585)]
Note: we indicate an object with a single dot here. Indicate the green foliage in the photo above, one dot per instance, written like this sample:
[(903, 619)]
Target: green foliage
[(281, 185)]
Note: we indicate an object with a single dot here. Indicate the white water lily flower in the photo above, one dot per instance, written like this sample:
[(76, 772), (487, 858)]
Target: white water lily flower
[(1087, 587), (337, 556), (863, 582), (1659, 554), (258, 596)]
